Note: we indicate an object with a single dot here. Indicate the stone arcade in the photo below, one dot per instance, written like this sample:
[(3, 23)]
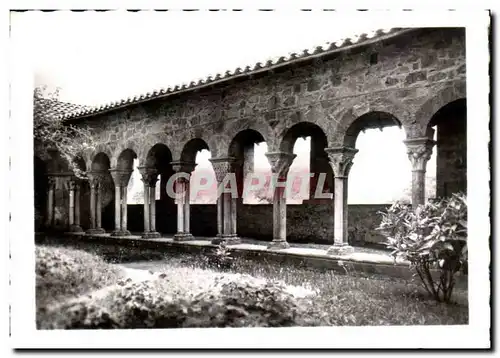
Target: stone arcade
[(413, 78)]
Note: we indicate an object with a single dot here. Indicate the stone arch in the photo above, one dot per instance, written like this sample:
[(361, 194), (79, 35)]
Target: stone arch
[(451, 147), (100, 148), (372, 119), (128, 147), (302, 129), (56, 163), (101, 164), (125, 160), (426, 112), (241, 148), (359, 108), (158, 156), (241, 139), (262, 128), (191, 148)]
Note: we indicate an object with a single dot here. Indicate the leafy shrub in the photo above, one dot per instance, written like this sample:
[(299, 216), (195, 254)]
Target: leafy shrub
[(221, 258), (163, 303), (431, 237), (62, 272)]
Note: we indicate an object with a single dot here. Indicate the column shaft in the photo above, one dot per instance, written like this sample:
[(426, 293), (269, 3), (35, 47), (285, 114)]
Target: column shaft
[(180, 207), (234, 216), (124, 209), (227, 214), (147, 226), (117, 207), (77, 205), (187, 213), (220, 216), (341, 160), (50, 206), (71, 206), (93, 207), (98, 207), (340, 212), (152, 208)]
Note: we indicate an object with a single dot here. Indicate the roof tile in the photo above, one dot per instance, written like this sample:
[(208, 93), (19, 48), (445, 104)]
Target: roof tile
[(318, 50)]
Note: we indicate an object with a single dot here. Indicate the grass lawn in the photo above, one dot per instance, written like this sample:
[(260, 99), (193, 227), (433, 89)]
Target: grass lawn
[(184, 290)]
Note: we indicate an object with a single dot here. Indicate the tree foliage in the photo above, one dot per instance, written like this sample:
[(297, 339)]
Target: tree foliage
[(51, 133), (433, 237)]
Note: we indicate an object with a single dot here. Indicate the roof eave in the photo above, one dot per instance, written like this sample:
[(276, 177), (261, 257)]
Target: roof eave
[(184, 89)]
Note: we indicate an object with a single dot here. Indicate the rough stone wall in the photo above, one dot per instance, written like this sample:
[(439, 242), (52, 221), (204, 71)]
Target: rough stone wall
[(451, 174), (414, 76)]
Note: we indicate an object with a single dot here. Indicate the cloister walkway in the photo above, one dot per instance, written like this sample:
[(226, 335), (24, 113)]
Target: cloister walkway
[(362, 259)]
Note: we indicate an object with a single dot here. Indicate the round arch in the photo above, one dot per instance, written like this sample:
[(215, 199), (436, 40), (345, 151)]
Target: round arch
[(426, 112), (372, 119), (302, 129), (191, 148)]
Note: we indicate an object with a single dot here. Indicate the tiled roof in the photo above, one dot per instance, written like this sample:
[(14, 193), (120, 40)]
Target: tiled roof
[(259, 67), (57, 109)]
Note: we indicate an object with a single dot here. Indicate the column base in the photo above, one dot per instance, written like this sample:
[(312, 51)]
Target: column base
[(75, 228), (336, 249), (120, 233), (278, 245), (227, 239), (183, 237), (95, 231), (151, 235)]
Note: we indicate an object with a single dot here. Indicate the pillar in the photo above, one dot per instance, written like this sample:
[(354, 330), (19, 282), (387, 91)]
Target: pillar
[(226, 204), (95, 180), (319, 164), (77, 204), (183, 189), (149, 179), (341, 163), (280, 164), (74, 203), (120, 178), (419, 152), (51, 184)]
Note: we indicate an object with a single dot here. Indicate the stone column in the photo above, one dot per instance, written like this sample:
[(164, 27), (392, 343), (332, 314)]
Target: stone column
[(121, 179), (183, 205), (73, 202), (51, 184), (419, 152), (77, 205), (280, 164), (149, 179), (226, 228), (341, 162), (95, 180)]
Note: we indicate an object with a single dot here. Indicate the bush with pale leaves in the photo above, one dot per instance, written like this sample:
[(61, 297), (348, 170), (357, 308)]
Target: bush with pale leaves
[(432, 237)]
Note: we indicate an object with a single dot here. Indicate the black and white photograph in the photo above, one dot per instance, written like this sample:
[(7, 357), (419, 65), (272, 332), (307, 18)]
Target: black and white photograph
[(225, 178)]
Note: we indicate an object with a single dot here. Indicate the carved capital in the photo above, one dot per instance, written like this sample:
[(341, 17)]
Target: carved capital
[(51, 182), (72, 184), (183, 167), (341, 160), (120, 177), (95, 179), (419, 152), (280, 162), (149, 176), (222, 166)]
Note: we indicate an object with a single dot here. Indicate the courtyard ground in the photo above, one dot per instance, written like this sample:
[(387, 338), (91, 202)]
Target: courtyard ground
[(310, 296)]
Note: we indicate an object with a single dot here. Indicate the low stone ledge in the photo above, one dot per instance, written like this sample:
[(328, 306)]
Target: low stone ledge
[(303, 257)]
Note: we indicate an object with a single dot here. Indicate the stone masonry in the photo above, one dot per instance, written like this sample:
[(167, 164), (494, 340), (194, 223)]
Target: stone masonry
[(404, 77)]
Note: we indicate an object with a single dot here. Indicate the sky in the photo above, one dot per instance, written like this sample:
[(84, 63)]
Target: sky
[(98, 57)]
